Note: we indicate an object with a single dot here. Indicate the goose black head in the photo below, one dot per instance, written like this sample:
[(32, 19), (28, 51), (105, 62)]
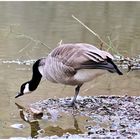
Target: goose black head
[(31, 85), (24, 89)]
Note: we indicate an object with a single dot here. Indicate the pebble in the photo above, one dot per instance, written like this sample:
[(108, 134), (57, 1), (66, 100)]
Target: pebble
[(17, 126), (120, 113)]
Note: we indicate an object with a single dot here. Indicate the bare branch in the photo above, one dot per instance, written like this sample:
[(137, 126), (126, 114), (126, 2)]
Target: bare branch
[(90, 30)]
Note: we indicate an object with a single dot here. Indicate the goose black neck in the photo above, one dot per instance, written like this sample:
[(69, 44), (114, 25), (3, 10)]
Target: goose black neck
[(36, 77)]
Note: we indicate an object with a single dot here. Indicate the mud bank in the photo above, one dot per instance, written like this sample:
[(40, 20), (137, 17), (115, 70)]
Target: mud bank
[(110, 116)]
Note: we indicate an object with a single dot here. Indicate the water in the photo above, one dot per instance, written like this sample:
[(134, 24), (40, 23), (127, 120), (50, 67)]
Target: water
[(27, 29)]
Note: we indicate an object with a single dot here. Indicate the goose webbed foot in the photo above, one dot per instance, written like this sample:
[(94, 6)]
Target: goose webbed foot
[(70, 104), (73, 104)]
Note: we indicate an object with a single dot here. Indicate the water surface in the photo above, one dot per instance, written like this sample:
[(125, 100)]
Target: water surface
[(24, 26)]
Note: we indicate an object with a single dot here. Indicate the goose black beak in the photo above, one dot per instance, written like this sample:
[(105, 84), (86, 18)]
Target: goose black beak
[(18, 95)]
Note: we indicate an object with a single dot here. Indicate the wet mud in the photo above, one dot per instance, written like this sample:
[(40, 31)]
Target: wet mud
[(104, 117)]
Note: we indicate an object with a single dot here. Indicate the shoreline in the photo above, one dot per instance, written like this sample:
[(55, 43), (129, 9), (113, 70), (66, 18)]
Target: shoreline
[(110, 116)]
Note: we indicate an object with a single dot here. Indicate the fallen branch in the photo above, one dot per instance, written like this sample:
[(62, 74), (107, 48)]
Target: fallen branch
[(31, 39), (110, 45), (90, 30)]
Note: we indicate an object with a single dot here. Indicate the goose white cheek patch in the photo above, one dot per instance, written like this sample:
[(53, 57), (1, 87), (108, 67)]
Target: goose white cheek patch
[(26, 90), (41, 70)]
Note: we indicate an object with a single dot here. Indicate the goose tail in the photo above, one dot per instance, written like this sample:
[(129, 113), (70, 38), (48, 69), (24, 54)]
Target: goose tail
[(108, 65), (115, 68)]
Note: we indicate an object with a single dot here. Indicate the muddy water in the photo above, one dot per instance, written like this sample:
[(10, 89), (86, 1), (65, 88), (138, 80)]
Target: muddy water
[(27, 29)]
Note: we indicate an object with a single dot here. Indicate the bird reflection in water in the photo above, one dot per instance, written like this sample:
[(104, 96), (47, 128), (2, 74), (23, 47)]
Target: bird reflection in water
[(37, 131)]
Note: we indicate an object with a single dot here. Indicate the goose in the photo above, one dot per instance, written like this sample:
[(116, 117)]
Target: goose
[(70, 64)]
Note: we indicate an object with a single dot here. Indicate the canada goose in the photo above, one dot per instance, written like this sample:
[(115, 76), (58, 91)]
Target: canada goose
[(70, 64)]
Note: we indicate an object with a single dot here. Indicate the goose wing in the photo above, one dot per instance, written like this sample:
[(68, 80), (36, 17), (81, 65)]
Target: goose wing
[(82, 56)]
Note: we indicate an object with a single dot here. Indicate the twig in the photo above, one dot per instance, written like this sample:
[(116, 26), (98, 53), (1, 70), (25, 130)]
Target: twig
[(24, 47), (44, 45), (90, 30), (59, 43), (111, 47), (34, 40), (20, 35)]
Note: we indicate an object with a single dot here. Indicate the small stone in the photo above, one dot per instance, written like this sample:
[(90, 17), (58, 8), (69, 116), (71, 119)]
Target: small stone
[(18, 126), (41, 131)]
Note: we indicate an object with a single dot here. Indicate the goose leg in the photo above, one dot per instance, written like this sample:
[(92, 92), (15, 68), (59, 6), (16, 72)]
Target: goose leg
[(77, 89)]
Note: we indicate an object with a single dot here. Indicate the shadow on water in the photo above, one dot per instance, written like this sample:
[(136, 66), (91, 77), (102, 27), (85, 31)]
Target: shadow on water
[(37, 131), (50, 131)]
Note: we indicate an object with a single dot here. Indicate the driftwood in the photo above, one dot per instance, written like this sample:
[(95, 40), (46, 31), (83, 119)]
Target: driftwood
[(128, 63), (29, 114)]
